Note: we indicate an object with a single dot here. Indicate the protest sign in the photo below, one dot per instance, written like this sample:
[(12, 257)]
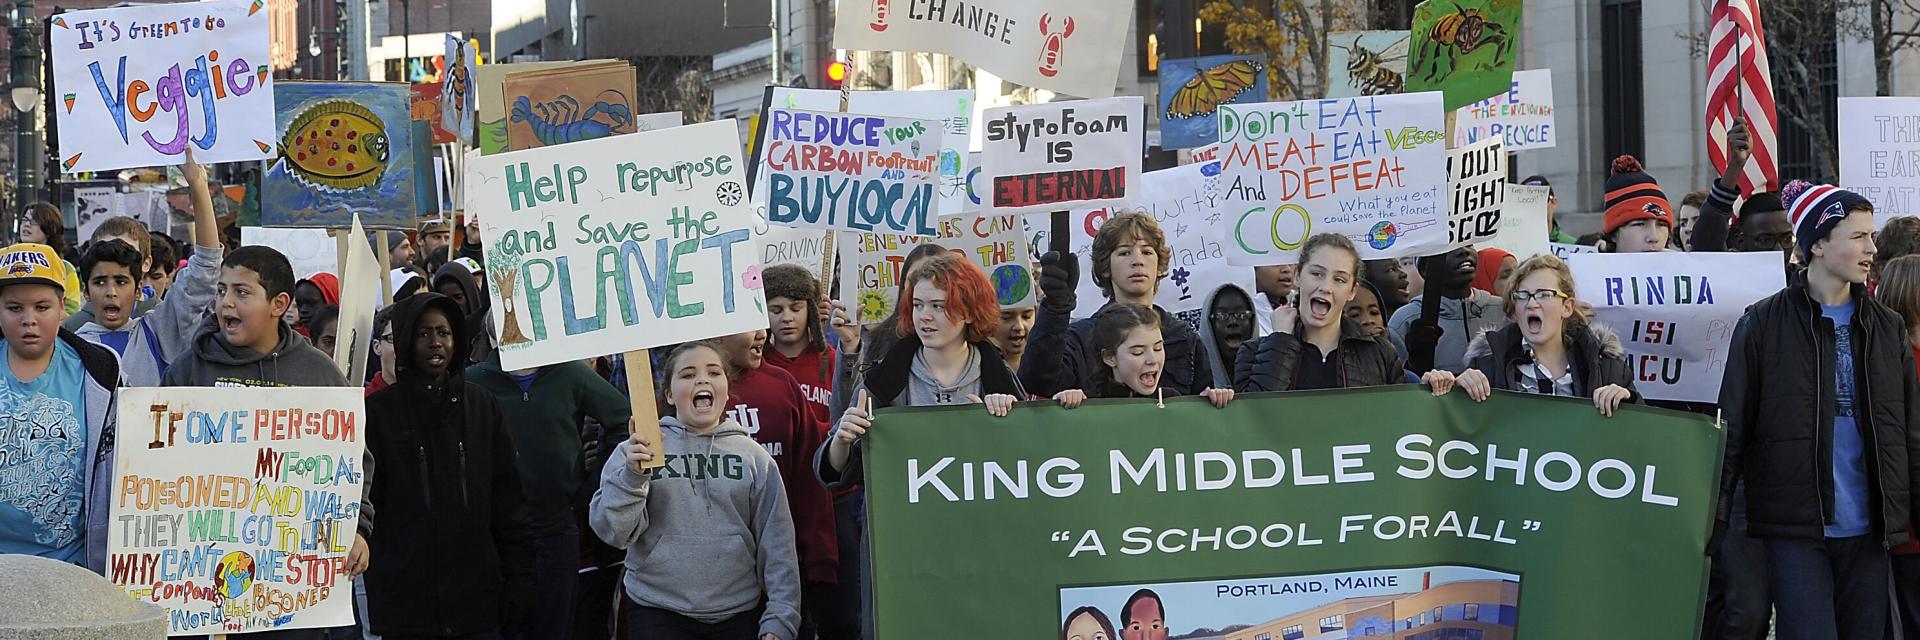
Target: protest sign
[(1465, 48), (581, 101), (1354, 506), (871, 263), (1675, 312), (787, 245), (490, 104), (234, 508), (657, 247), (1372, 168), (1185, 201), (1366, 63), (1566, 251), (310, 251), (1192, 90), (1068, 46), (1521, 118), (425, 107), (658, 121), (135, 85), (953, 109), (1056, 156), (346, 148), (852, 172), (360, 296), (1523, 222), (1878, 156), (1477, 175), (91, 207), (456, 90)]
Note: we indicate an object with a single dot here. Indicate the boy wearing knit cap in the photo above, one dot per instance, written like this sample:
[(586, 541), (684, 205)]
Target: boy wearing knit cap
[(1639, 218), (1821, 404)]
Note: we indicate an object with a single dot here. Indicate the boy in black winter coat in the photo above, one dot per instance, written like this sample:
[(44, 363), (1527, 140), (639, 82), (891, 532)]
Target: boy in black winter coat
[(454, 556)]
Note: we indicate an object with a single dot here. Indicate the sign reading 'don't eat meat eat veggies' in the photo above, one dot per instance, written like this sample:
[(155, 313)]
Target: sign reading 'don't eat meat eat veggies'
[(616, 244), (133, 86), (1062, 155), (1372, 168), (852, 172)]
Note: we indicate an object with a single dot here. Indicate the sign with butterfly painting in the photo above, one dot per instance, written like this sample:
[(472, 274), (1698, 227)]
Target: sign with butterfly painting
[(1366, 63), (1465, 48), (1192, 90), (345, 148)]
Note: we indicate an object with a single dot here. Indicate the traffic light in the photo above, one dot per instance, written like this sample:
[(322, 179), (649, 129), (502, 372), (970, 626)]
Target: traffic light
[(835, 74)]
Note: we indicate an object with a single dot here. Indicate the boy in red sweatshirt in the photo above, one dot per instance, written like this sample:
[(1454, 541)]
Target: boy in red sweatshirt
[(769, 403)]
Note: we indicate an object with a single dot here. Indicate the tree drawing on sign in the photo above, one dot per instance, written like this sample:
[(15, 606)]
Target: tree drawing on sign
[(503, 268)]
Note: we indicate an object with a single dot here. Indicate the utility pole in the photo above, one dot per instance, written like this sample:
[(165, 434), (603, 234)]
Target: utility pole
[(406, 41), (779, 52), (24, 72)]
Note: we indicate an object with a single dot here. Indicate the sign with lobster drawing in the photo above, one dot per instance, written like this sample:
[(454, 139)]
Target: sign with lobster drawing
[(569, 104), (1066, 46)]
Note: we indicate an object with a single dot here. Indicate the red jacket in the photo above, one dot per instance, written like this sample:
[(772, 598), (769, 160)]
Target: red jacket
[(768, 402), (814, 371)]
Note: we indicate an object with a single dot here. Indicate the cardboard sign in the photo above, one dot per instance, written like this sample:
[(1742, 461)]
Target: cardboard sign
[(1192, 90), (871, 263), (1055, 156), (234, 508), (1366, 63), (1566, 251), (1465, 48), (582, 101), (359, 297), (1879, 157), (1185, 201), (490, 108), (1675, 312), (852, 172), (787, 245), (1477, 174), (425, 107), (1523, 222), (310, 250), (1372, 168), (1068, 46), (617, 244), (457, 96), (1521, 118), (133, 86), (953, 109), (346, 148), (658, 121)]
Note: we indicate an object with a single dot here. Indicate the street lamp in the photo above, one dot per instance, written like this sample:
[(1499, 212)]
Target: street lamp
[(25, 98), (29, 152)]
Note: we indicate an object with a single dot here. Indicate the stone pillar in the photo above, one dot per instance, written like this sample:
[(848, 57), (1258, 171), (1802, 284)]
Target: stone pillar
[(49, 600)]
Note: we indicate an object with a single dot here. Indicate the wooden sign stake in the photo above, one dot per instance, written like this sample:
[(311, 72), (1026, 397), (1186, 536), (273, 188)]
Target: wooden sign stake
[(646, 413)]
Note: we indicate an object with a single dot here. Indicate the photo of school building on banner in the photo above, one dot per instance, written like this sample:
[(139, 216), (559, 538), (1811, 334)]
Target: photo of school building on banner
[(134, 86), (1416, 517), (1675, 312), (234, 508), (852, 172), (1372, 168), (1068, 46), (1058, 156), (621, 243)]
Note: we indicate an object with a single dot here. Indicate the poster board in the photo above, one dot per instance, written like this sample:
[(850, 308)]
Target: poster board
[(1477, 174), (1185, 201), (345, 148), (583, 101), (852, 172), (871, 263), (1367, 63), (1066, 46), (1521, 117), (1060, 155), (1675, 312), (1879, 158), (1465, 48), (1192, 90)]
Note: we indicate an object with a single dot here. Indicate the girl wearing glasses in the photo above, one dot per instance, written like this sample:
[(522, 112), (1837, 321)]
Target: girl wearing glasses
[(1549, 349)]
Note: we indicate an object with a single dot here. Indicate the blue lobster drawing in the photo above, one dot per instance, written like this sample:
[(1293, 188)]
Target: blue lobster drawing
[(562, 121)]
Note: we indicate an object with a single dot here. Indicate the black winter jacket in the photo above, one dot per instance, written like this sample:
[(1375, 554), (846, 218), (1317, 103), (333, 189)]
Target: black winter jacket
[(1597, 357), (454, 555), (1778, 402), (1060, 355), (1270, 363), (886, 380)]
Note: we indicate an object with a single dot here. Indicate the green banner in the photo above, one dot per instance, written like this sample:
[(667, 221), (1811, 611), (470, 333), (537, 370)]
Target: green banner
[(1381, 512)]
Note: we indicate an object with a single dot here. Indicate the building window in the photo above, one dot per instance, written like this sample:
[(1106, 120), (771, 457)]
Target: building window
[(1332, 623), (1622, 99), (1295, 632), (1393, 15), (1472, 612), (1800, 152)]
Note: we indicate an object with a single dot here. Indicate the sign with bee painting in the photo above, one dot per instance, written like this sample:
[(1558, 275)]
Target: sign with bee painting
[(852, 172), (622, 243), (456, 89), (1068, 46), (1366, 63), (344, 148), (1465, 48), (1192, 90), (135, 86)]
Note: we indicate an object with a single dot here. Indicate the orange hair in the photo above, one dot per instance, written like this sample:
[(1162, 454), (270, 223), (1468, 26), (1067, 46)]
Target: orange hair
[(970, 297)]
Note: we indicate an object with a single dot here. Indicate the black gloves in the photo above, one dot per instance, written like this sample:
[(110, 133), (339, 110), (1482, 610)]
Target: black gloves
[(1059, 277)]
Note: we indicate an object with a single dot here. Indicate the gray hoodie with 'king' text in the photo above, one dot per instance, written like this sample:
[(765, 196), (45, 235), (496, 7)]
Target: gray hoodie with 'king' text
[(706, 533)]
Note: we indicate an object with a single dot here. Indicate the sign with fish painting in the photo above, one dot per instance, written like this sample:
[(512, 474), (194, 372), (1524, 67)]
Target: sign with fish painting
[(1185, 201), (1522, 117), (234, 508), (952, 109), (345, 148), (1465, 48), (1371, 168), (1366, 63), (1192, 89), (585, 101), (617, 244), (852, 172), (871, 262), (133, 86), (1068, 46), (456, 89), (1060, 155), (1675, 312)]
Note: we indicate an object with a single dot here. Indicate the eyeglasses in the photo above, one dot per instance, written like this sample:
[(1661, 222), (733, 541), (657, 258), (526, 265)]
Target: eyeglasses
[(1543, 295)]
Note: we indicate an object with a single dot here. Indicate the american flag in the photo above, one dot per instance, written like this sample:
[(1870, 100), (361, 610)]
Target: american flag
[(1740, 83)]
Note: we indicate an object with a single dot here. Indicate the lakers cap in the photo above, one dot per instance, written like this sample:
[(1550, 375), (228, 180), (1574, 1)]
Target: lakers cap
[(32, 263)]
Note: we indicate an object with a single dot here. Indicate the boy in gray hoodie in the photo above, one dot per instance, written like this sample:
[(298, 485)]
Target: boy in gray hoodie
[(708, 534)]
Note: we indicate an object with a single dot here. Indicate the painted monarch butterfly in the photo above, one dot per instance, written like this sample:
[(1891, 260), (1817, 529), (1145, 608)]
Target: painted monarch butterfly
[(1213, 87)]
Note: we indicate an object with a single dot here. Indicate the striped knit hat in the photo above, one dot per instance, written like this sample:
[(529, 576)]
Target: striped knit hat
[(1634, 195), (1816, 209)]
